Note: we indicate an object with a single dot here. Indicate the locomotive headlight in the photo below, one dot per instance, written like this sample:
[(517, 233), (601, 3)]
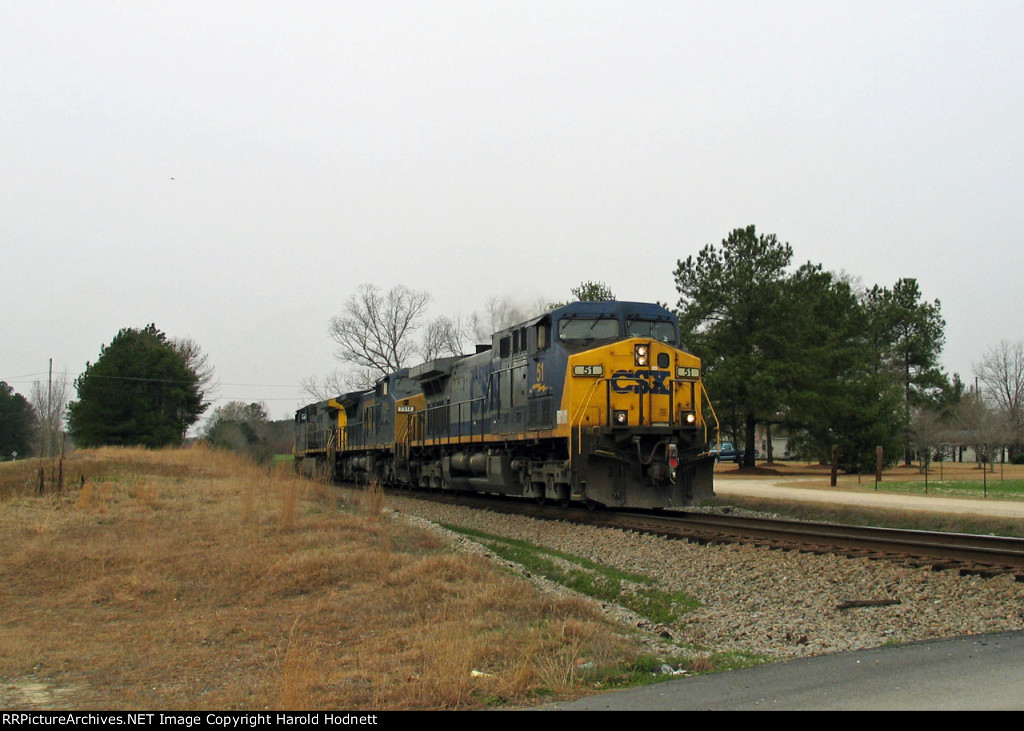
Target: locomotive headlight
[(640, 355), (621, 418), (690, 418)]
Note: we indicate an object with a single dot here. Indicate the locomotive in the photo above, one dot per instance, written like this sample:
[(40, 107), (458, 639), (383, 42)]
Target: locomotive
[(595, 402)]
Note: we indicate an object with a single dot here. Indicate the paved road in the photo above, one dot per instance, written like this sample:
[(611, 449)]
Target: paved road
[(984, 672)]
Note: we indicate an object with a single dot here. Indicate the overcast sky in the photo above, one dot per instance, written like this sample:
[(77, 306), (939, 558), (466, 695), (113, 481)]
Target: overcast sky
[(232, 171)]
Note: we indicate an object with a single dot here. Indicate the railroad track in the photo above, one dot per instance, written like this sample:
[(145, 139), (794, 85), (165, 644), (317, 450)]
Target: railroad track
[(965, 553)]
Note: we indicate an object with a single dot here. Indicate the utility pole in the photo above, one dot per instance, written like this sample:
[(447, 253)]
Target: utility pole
[(49, 408)]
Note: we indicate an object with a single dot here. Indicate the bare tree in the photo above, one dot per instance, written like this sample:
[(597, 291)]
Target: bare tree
[(375, 330), (1001, 371), (444, 336), (50, 400), (198, 362), (324, 388), (338, 383), (376, 334), (927, 432), (983, 428)]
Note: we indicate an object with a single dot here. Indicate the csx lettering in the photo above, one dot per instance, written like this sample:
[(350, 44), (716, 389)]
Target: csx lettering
[(641, 381)]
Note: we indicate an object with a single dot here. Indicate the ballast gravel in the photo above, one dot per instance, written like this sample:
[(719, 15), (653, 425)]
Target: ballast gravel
[(774, 603)]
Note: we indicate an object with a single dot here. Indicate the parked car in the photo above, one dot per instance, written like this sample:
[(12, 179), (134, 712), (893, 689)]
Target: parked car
[(728, 453)]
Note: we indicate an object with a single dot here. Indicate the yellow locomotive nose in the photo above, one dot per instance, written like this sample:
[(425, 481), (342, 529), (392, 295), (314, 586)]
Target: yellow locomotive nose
[(634, 383)]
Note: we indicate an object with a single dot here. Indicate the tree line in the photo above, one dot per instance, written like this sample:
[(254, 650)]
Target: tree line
[(793, 348), (808, 351), (144, 389), (804, 350)]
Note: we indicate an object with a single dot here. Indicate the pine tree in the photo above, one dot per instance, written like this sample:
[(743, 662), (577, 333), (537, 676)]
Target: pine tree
[(140, 391), (17, 419)]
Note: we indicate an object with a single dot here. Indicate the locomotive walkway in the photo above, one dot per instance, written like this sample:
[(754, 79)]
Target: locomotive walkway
[(979, 672)]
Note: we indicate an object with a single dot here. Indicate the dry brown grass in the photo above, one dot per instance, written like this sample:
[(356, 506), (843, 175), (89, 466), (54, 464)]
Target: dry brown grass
[(192, 579)]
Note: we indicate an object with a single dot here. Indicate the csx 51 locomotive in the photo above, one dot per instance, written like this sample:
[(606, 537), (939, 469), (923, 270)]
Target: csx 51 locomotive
[(593, 401)]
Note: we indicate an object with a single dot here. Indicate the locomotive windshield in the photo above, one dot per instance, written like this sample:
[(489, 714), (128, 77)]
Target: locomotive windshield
[(656, 329), (588, 328)]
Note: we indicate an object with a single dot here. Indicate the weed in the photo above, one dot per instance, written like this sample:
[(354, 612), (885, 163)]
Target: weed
[(604, 583), (298, 671), (289, 492), (371, 502)]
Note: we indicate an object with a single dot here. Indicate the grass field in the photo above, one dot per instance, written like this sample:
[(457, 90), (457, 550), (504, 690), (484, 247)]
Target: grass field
[(193, 579)]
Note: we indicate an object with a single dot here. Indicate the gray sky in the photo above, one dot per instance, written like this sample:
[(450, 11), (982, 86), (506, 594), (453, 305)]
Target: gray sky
[(232, 171)]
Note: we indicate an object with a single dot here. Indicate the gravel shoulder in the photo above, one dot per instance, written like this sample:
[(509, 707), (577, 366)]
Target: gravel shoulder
[(780, 604)]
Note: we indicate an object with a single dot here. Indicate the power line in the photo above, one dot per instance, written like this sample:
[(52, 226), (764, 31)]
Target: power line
[(299, 396), (21, 379)]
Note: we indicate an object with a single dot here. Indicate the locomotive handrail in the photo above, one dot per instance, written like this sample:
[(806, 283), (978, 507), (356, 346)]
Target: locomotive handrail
[(342, 432), (316, 440), (402, 441), (448, 435), (577, 419)]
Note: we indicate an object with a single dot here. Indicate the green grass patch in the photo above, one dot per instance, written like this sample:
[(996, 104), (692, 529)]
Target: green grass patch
[(626, 589), (633, 591), (650, 669)]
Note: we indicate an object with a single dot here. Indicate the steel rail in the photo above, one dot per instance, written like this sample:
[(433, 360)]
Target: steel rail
[(970, 553)]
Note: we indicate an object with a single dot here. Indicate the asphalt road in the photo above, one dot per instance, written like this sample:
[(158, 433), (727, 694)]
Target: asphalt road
[(984, 672)]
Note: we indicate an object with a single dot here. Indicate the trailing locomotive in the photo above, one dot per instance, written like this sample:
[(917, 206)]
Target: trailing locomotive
[(593, 401)]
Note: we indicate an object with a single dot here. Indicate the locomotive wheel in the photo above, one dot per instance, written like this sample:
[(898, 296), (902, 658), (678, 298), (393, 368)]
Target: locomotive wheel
[(563, 494)]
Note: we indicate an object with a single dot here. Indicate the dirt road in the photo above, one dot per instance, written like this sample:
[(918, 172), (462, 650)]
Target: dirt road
[(816, 489)]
